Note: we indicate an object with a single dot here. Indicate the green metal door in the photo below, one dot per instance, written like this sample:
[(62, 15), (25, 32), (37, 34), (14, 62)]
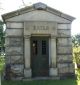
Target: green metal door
[(40, 56)]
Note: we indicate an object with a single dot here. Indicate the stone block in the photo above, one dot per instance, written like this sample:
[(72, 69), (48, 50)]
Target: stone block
[(71, 68), (16, 59), (27, 73), (64, 26), (63, 68), (14, 32), (14, 50), (53, 72), (14, 41), (69, 26), (6, 41), (62, 65), (66, 68), (17, 69), (64, 50), (64, 33), (7, 59), (14, 25), (64, 42), (64, 58)]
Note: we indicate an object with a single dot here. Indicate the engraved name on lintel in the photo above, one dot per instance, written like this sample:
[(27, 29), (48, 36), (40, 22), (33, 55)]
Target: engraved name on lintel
[(38, 28)]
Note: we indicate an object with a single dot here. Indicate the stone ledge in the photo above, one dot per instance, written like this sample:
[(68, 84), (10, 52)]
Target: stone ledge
[(42, 78)]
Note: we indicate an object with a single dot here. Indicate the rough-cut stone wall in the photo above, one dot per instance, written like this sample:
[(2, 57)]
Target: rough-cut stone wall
[(14, 49), (64, 50), (14, 43)]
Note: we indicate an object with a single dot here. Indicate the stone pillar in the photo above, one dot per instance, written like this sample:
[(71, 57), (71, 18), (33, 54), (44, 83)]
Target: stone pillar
[(27, 70), (53, 69)]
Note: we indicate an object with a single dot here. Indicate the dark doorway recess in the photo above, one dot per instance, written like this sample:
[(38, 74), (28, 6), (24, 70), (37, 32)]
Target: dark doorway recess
[(40, 56)]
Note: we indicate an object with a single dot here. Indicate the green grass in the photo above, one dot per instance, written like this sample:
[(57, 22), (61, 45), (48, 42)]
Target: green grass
[(42, 82)]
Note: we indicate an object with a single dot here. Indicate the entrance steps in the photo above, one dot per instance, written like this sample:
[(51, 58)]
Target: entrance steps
[(43, 78)]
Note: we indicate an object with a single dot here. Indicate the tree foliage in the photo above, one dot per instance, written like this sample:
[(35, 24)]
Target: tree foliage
[(2, 41), (2, 38), (76, 48)]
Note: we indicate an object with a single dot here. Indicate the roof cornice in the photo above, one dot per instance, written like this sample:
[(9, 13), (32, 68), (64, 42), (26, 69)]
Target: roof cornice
[(37, 6)]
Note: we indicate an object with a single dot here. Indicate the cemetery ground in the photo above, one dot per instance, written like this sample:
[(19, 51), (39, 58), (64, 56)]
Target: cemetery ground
[(43, 82), (71, 81)]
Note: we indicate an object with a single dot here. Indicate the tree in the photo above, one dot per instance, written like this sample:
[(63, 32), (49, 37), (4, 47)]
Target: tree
[(78, 38), (2, 38), (75, 42), (76, 49), (1, 47)]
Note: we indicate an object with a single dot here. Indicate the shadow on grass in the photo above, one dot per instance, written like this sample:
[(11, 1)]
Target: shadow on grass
[(42, 82)]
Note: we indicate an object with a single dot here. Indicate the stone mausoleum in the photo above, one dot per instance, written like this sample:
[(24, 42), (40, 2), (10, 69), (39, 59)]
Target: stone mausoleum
[(38, 43)]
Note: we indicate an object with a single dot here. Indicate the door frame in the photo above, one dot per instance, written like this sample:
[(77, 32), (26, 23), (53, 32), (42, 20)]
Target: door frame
[(48, 37)]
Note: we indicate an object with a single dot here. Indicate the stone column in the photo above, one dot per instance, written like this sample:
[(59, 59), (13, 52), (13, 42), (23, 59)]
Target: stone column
[(27, 70), (53, 68)]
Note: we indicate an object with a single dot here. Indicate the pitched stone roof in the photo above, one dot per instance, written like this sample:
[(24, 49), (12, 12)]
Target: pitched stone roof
[(37, 6)]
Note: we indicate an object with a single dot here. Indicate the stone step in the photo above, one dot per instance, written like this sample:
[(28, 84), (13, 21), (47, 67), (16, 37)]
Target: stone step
[(42, 78)]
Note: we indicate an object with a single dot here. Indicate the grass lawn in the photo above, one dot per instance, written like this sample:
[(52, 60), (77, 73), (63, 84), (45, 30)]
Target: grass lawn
[(42, 82)]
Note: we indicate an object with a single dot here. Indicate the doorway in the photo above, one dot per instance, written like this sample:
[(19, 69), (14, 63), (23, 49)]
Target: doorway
[(40, 56)]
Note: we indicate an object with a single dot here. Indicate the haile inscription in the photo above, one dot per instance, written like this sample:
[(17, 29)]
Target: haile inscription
[(40, 27)]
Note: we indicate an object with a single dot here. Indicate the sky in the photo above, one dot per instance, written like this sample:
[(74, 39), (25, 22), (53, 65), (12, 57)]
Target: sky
[(70, 7)]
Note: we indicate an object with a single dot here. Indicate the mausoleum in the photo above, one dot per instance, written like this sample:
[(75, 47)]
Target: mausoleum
[(38, 43)]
